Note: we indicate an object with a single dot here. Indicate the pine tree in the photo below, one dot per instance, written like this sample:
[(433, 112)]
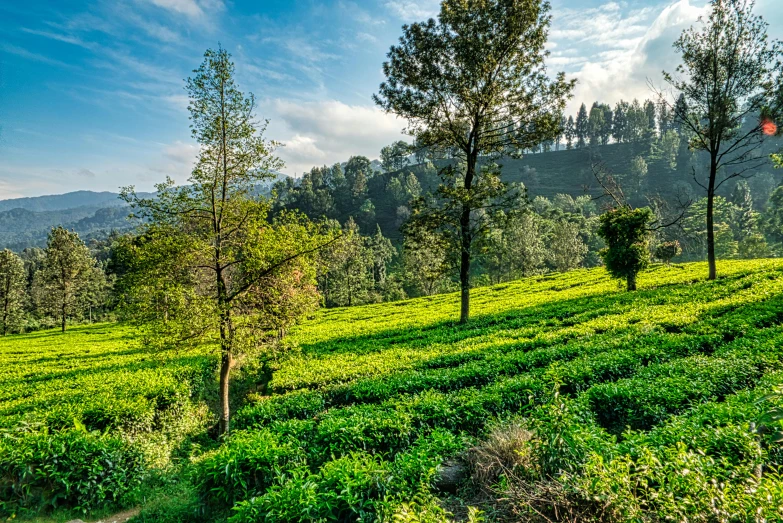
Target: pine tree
[(620, 125), (570, 133), (582, 126)]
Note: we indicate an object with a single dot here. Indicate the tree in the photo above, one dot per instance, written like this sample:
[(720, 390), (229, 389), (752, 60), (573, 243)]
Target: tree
[(728, 75), (68, 272), (666, 251), (637, 174), (582, 126), (518, 249), (596, 125), (395, 156), (570, 133), (746, 219), (626, 233), (474, 81), (566, 248), (212, 265), (424, 260), (381, 252), (12, 290), (348, 269), (651, 128), (620, 125)]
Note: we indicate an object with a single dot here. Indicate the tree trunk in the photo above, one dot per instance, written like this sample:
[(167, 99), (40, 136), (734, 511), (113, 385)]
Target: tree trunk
[(63, 317), (710, 219), (631, 282), (465, 244), (226, 361)]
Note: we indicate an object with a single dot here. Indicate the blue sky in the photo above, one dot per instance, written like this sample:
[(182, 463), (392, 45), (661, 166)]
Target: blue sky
[(92, 97)]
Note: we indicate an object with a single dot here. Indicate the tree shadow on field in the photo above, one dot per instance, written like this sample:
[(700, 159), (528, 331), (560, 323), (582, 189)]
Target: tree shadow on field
[(548, 317)]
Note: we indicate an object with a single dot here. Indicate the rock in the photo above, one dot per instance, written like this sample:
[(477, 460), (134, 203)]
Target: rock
[(75, 521), (451, 474)]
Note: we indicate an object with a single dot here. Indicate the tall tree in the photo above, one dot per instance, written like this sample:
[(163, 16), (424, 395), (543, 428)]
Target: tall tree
[(12, 290), (596, 124), (582, 126), (620, 124), (230, 274), (566, 249), (395, 156), (68, 272), (728, 76), (460, 81), (570, 132)]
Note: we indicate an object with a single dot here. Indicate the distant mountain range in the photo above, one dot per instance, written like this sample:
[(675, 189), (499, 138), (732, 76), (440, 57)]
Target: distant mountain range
[(26, 222)]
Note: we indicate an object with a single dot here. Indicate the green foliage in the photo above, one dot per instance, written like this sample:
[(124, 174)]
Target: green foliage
[(358, 422), (68, 277), (626, 234), (70, 468), (245, 465), (666, 251), (12, 291)]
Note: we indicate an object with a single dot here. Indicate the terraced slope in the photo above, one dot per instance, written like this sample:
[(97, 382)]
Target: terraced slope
[(640, 406)]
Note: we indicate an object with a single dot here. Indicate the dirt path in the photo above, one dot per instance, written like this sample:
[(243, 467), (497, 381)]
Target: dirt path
[(120, 517)]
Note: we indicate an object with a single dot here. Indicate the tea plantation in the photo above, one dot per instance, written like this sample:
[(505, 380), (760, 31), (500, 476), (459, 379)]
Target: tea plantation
[(644, 406)]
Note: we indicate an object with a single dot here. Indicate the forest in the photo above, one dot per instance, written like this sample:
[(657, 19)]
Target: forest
[(516, 315)]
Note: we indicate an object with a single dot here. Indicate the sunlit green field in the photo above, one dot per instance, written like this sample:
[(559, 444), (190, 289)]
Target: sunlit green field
[(616, 387)]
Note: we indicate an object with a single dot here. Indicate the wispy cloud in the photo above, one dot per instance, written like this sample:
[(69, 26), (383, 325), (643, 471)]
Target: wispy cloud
[(29, 55)]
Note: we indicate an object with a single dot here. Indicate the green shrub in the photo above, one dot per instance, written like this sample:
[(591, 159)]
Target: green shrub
[(660, 390), (301, 404), (244, 466), (73, 468), (376, 429), (346, 489)]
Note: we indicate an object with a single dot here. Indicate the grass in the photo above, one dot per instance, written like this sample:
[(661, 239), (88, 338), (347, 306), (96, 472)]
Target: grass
[(376, 397)]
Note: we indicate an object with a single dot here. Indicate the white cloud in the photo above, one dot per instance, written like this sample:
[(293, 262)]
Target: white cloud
[(330, 131), (181, 152), (617, 73), (413, 10), (186, 7)]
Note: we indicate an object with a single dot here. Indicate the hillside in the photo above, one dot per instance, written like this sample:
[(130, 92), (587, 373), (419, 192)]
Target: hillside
[(59, 202), (657, 392)]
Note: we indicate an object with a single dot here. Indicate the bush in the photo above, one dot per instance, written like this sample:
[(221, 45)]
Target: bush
[(73, 469), (346, 489), (660, 390), (244, 466), (666, 251), (301, 404)]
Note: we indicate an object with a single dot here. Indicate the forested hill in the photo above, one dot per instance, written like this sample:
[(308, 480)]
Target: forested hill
[(25, 222), (644, 168), (59, 202), (381, 197)]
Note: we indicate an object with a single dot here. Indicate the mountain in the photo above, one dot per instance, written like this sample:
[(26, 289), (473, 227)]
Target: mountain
[(71, 200)]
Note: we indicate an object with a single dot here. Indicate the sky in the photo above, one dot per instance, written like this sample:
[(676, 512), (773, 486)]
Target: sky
[(92, 93)]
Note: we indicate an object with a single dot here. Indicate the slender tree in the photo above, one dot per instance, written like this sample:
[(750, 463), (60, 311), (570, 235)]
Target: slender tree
[(12, 289), (475, 81), (570, 132), (728, 76), (229, 273), (582, 126)]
